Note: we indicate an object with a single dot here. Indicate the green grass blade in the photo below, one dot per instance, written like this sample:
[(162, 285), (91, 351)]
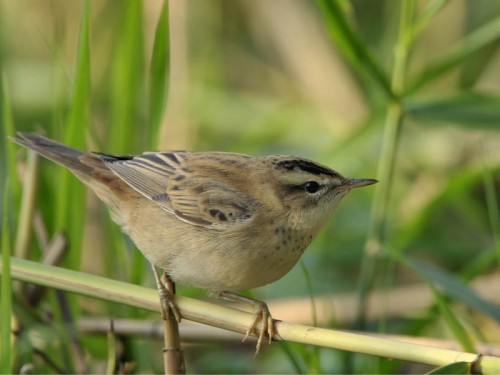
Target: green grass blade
[(481, 264), (470, 109), (160, 67), (473, 69), (10, 149), (6, 290), (127, 79), (314, 359), (429, 11), (351, 46), (457, 186), (128, 132), (11, 195), (453, 323), (457, 368), (292, 358), (468, 45), (70, 200), (492, 206), (79, 114), (454, 287)]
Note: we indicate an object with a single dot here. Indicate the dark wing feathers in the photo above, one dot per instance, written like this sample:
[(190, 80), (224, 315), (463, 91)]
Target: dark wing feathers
[(193, 198), (210, 200), (148, 174)]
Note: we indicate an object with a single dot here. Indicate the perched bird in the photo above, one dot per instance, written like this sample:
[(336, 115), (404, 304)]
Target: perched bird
[(219, 221)]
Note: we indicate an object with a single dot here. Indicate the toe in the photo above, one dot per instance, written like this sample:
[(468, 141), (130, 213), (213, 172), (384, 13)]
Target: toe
[(270, 329)]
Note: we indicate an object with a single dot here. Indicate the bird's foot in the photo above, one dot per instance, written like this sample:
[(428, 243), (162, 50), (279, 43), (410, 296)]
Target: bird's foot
[(262, 323), (166, 288)]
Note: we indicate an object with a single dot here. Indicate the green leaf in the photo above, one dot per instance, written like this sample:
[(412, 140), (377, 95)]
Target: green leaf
[(454, 193), (351, 46), (429, 11), (492, 203), (10, 149), (160, 66), (314, 357), (79, 114), (453, 287), (127, 78), (453, 368), (478, 13), (453, 323), (70, 200), (470, 109), (460, 51)]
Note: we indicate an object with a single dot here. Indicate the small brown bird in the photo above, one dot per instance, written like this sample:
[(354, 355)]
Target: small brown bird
[(219, 221)]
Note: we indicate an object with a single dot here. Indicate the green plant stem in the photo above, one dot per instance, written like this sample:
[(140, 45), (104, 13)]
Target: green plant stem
[(111, 360), (483, 36), (28, 199), (6, 289), (492, 206), (315, 359), (393, 123)]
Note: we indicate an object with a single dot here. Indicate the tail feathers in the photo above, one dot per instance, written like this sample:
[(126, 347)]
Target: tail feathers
[(55, 151)]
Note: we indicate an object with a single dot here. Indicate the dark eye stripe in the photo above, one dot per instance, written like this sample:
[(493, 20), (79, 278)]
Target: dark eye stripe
[(301, 188)]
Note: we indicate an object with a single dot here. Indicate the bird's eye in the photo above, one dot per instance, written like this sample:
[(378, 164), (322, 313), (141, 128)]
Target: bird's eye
[(311, 187)]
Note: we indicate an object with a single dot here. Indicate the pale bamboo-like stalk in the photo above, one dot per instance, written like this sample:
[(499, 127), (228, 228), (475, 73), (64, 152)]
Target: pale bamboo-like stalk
[(30, 182), (238, 321)]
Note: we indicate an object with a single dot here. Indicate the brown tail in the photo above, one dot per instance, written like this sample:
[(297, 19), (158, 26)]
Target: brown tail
[(55, 151)]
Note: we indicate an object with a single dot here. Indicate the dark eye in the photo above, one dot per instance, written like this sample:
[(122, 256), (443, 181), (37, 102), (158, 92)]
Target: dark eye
[(311, 187)]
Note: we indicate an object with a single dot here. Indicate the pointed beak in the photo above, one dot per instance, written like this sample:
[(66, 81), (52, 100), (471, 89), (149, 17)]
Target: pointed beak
[(352, 183)]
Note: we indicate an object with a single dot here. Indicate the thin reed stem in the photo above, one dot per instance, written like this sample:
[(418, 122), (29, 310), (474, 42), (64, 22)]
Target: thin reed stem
[(394, 119)]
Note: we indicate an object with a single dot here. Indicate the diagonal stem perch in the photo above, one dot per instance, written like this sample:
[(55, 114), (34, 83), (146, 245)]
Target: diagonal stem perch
[(236, 320)]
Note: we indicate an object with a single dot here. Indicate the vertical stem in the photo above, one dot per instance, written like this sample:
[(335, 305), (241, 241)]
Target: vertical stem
[(173, 355), (75, 346), (30, 184), (393, 122), (491, 204), (173, 358), (111, 362), (6, 354)]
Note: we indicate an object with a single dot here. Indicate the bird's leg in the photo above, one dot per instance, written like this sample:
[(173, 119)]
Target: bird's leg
[(168, 306), (261, 315)]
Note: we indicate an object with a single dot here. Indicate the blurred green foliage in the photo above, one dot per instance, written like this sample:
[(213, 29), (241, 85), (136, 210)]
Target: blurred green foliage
[(407, 92)]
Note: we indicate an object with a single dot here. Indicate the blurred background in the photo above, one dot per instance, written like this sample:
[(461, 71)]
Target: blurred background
[(407, 92)]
